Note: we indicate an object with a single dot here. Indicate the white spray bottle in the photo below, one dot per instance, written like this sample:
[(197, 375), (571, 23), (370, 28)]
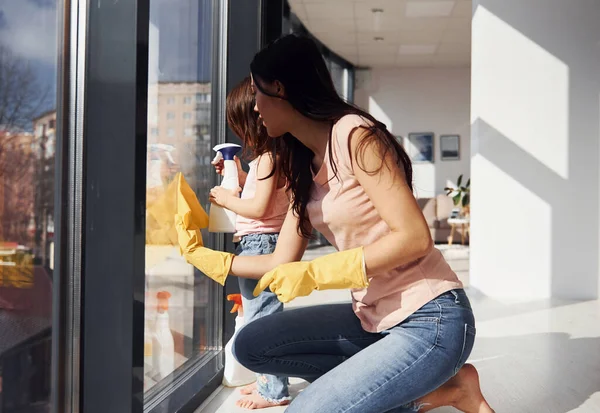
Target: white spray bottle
[(220, 219), (235, 374), (163, 345)]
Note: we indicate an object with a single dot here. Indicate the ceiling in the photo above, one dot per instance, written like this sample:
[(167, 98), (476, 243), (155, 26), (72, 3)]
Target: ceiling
[(401, 33)]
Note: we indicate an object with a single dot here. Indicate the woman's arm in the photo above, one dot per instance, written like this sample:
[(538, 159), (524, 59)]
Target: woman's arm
[(290, 247), (256, 207), (409, 238)]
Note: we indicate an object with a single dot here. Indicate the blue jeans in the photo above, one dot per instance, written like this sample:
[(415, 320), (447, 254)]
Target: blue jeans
[(273, 388), (353, 371)]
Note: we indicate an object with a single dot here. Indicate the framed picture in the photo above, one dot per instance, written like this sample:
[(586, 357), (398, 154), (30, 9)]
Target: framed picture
[(450, 147), (420, 146)]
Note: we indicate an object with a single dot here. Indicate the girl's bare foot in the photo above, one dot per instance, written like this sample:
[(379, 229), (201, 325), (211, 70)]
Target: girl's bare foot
[(255, 401), (249, 389), (461, 392)]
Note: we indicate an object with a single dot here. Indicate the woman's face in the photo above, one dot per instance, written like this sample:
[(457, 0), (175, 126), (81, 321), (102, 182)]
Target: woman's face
[(273, 111)]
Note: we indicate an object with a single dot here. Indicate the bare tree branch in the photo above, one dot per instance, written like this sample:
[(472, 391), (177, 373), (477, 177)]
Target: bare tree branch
[(21, 96)]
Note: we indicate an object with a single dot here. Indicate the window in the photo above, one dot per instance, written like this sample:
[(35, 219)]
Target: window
[(154, 131), (195, 302), (28, 183), (202, 97)]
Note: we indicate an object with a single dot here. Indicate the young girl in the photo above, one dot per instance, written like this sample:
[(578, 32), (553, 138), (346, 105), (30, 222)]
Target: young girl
[(260, 214)]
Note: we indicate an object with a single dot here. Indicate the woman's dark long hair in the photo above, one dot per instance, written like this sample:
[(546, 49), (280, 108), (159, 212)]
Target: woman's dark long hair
[(296, 62)]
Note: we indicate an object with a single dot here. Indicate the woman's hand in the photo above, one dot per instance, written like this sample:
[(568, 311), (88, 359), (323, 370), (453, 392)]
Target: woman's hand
[(221, 196)]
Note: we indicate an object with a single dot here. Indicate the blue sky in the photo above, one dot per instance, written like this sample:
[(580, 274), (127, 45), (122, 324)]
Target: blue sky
[(29, 29)]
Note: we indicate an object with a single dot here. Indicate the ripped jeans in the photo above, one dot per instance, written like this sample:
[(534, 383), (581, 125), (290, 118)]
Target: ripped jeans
[(273, 388), (354, 371)]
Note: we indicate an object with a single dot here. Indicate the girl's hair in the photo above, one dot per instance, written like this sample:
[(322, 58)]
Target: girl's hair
[(296, 62), (243, 121)]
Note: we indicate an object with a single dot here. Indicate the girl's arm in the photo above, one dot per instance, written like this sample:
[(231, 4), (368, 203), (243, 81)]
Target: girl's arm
[(290, 247), (256, 207), (409, 238)]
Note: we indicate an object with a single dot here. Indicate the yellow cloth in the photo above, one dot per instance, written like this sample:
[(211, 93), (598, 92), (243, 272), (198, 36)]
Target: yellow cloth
[(161, 207), (339, 270)]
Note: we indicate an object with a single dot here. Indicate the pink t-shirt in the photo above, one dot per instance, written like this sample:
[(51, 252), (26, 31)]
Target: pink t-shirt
[(276, 212), (341, 210)]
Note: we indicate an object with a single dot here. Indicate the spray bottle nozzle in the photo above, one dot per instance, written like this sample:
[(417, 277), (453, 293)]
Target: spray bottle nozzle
[(237, 302), (228, 150), (163, 300)]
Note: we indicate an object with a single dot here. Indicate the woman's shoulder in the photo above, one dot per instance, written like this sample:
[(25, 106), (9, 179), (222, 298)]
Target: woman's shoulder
[(346, 125), (351, 121)]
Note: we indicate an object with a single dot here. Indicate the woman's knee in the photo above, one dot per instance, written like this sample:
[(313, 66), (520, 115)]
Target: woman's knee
[(245, 347)]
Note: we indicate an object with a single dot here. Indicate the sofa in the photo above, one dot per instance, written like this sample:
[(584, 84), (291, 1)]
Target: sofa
[(437, 211)]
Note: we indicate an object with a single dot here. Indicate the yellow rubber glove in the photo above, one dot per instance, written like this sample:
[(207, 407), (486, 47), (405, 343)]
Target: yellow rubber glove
[(189, 219), (340, 270)]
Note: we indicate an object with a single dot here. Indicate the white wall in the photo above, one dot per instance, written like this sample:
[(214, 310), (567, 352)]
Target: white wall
[(535, 112), (422, 100)]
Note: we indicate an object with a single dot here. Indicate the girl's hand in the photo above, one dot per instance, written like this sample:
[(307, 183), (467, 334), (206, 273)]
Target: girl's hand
[(219, 163), (220, 196)]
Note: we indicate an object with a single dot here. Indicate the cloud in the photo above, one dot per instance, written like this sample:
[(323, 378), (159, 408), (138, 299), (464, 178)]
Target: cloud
[(28, 28)]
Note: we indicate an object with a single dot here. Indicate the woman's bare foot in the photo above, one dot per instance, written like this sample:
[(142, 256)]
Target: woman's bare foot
[(255, 401), (249, 389), (461, 392)]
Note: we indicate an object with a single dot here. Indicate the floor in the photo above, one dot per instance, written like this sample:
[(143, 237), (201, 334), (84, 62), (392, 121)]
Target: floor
[(539, 356)]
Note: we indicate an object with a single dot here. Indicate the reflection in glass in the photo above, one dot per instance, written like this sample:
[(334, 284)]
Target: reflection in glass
[(180, 301), (28, 59)]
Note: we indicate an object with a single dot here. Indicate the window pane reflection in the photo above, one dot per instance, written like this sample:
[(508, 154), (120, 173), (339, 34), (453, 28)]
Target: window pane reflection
[(179, 140), (28, 60)]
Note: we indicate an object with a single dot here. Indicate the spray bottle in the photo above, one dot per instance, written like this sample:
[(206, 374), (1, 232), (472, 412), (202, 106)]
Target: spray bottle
[(220, 219), (235, 374), (163, 345)]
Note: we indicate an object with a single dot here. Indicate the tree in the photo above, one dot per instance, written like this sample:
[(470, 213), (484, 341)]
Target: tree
[(21, 97), (26, 174)]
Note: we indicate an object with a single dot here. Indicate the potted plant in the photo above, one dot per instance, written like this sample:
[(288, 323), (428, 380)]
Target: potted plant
[(461, 195)]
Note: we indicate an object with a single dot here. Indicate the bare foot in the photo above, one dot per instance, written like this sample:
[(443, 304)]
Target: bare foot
[(249, 389), (255, 401), (461, 392)]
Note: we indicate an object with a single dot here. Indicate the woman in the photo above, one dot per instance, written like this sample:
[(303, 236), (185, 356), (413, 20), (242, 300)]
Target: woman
[(402, 343)]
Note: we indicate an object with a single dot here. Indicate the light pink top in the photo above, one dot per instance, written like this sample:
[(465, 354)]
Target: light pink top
[(276, 212), (342, 211)]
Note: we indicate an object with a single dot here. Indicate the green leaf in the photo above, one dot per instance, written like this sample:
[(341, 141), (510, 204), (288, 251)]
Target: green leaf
[(465, 200), (448, 189), (468, 183), (459, 180), (462, 188), (456, 199)]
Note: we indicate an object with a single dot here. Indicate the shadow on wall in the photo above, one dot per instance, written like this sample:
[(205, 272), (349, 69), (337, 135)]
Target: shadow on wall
[(423, 100), (568, 31)]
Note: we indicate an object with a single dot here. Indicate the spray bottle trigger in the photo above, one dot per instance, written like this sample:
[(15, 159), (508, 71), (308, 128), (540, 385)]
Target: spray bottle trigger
[(237, 302), (218, 157)]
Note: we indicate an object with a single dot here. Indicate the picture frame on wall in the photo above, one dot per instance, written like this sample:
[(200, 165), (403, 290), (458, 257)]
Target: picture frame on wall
[(420, 146), (450, 147)]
